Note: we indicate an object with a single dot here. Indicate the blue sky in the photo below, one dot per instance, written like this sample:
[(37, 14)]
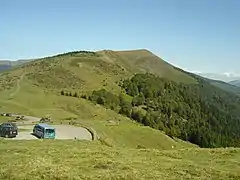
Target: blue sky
[(201, 35)]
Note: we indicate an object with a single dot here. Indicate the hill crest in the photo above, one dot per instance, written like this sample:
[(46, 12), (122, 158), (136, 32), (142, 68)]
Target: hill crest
[(97, 69)]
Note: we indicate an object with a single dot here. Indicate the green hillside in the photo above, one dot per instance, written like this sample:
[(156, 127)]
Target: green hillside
[(141, 61), (197, 113), (34, 89), (86, 71)]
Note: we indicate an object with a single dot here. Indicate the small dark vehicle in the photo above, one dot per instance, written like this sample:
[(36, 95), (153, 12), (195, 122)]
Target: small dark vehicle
[(8, 114), (8, 130)]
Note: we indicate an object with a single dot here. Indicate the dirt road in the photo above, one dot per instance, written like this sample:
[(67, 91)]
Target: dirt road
[(62, 131), (18, 86)]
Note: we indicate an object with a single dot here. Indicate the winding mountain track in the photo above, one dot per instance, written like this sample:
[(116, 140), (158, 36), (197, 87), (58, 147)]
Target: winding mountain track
[(18, 86)]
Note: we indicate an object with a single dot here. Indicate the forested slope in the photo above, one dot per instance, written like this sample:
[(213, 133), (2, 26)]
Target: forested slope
[(199, 113)]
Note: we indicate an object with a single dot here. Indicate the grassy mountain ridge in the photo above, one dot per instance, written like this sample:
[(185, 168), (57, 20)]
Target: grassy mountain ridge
[(145, 61), (95, 70), (34, 88)]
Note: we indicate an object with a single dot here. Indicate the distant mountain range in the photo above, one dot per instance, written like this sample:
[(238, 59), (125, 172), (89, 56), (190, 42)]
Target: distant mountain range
[(226, 81), (4, 67), (235, 82), (6, 64), (226, 77)]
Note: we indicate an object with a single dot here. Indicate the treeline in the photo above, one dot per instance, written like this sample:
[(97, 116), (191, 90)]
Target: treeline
[(201, 113), (73, 94), (72, 53)]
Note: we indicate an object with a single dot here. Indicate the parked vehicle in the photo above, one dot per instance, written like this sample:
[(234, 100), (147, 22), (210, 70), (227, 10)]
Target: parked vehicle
[(44, 131), (8, 114), (8, 130)]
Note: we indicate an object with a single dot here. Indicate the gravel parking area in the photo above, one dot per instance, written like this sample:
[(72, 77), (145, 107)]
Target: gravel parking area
[(62, 132)]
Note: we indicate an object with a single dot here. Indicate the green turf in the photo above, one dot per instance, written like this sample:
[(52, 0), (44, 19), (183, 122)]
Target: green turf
[(4, 119), (59, 159)]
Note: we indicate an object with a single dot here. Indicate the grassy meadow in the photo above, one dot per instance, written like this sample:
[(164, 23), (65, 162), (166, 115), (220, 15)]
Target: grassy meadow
[(25, 160)]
